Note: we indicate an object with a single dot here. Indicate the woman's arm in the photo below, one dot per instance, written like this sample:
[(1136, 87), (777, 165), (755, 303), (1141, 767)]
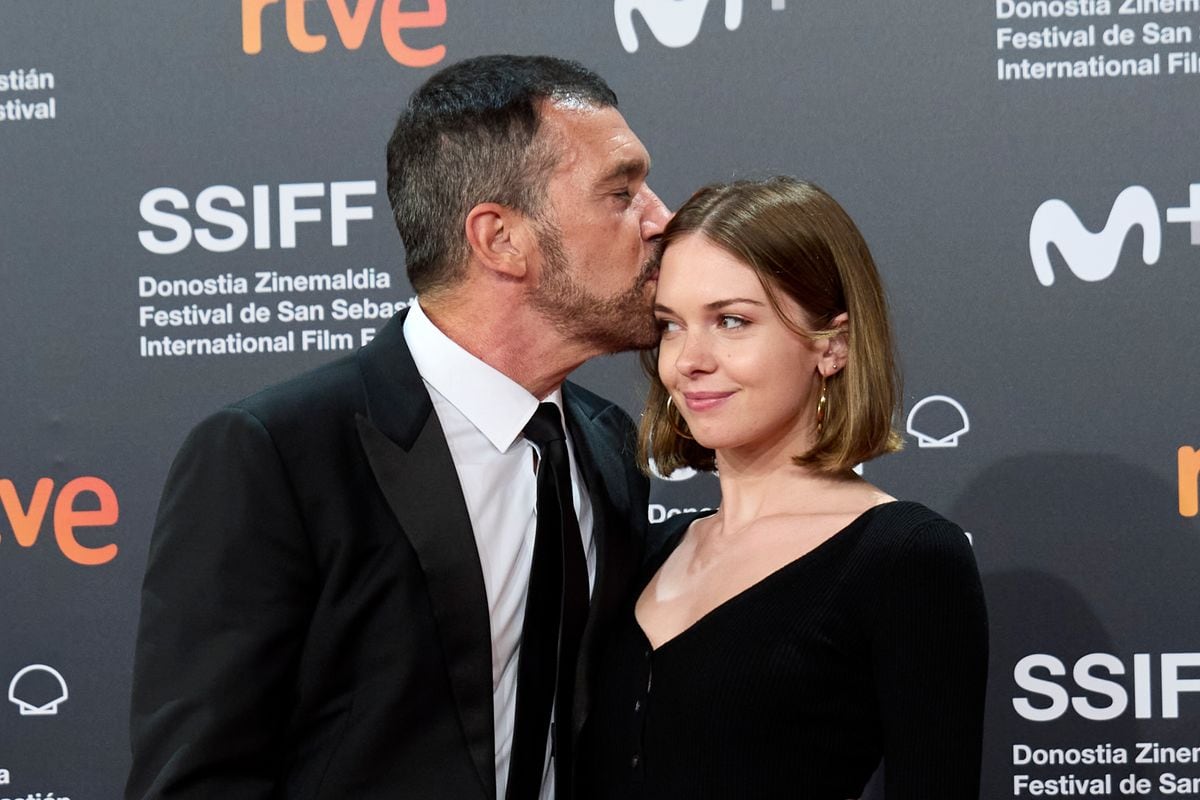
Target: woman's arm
[(929, 653)]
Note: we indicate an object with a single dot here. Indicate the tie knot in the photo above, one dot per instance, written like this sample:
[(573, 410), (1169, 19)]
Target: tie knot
[(545, 426)]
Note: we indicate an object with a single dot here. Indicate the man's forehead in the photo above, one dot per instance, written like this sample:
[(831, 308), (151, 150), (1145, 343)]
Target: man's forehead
[(587, 131)]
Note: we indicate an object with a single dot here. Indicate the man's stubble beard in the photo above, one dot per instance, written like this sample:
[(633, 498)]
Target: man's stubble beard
[(610, 324)]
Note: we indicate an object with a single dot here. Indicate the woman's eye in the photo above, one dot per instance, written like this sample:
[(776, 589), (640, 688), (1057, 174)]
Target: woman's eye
[(667, 326), (731, 322)]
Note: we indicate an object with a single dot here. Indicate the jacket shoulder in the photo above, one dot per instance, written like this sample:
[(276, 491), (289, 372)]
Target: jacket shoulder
[(331, 388), (586, 399), (594, 406)]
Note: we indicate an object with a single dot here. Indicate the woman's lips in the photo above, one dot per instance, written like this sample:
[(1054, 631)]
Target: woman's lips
[(705, 401)]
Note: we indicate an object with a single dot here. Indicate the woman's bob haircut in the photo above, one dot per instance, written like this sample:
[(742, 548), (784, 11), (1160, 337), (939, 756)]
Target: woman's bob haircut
[(800, 243)]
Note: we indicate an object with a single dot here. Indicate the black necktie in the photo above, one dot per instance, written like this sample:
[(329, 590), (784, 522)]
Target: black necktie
[(556, 609)]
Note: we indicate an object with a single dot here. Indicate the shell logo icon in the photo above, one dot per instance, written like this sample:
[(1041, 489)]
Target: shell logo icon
[(942, 435), (38, 690)]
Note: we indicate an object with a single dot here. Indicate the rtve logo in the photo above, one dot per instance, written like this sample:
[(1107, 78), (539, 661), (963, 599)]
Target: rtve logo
[(674, 23), (1189, 481), (351, 27), (1094, 256), (25, 520)]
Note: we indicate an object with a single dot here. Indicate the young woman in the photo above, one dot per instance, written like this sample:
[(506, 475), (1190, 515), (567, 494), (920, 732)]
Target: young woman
[(814, 625)]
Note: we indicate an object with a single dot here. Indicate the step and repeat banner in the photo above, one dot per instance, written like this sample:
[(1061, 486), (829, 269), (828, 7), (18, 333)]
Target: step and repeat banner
[(192, 206)]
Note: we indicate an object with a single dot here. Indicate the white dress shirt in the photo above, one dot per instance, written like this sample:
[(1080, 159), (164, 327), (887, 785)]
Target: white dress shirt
[(482, 412)]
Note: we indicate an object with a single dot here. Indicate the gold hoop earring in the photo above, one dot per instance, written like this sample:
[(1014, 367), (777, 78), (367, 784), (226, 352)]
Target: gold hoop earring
[(822, 405), (674, 425)]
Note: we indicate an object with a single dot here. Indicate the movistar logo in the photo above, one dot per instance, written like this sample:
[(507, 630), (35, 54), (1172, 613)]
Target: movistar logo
[(674, 23), (1093, 256)]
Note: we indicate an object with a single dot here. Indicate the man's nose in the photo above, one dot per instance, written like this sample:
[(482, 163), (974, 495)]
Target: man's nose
[(655, 217)]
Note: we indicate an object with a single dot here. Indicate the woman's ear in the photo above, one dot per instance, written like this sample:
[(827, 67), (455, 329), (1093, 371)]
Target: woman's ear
[(836, 347), (498, 240)]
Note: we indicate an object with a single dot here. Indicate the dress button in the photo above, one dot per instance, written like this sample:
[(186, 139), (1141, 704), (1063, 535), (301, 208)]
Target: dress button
[(633, 762)]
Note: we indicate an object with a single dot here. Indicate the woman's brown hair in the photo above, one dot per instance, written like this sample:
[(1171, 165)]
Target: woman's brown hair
[(800, 242)]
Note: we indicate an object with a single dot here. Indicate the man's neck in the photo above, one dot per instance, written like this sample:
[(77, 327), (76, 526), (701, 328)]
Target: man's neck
[(508, 336)]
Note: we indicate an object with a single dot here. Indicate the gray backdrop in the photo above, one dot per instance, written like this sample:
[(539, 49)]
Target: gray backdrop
[(1059, 334)]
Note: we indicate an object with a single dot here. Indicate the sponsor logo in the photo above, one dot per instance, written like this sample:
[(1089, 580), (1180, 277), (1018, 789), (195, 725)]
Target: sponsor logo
[(351, 26), (1100, 697), (1189, 481), (674, 23), (1094, 256), (1189, 214), (948, 417), (25, 519), (38, 690), (227, 229)]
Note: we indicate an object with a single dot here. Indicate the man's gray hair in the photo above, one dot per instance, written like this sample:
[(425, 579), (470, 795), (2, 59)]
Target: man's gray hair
[(469, 136)]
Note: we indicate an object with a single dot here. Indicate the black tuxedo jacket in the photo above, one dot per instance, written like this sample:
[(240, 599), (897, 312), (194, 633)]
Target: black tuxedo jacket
[(314, 622)]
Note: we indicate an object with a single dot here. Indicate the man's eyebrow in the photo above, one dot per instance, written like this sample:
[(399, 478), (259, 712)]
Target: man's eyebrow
[(627, 168)]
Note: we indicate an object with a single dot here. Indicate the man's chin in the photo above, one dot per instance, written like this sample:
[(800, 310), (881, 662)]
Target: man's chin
[(648, 335), (644, 334), (634, 333), (649, 341)]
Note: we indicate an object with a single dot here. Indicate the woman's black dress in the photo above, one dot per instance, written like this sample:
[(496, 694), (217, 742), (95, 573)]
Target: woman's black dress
[(872, 645)]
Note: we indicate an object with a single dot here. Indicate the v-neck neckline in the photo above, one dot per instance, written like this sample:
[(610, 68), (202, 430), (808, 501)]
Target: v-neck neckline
[(753, 588)]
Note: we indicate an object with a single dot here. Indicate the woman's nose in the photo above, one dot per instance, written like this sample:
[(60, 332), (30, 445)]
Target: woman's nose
[(695, 355)]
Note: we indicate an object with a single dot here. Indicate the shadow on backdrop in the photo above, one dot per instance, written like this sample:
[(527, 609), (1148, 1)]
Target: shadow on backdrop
[(1080, 553)]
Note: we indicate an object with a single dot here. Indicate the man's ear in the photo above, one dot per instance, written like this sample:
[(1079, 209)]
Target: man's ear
[(837, 347), (498, 239)]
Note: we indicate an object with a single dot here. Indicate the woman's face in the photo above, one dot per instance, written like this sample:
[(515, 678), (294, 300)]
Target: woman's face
[(739, 376)]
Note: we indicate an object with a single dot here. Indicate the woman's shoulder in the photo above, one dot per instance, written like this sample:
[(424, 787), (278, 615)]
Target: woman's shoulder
[(910, 539), (900, 523)]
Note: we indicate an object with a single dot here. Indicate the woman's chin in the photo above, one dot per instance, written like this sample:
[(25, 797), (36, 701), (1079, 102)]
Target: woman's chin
[(713, 440)]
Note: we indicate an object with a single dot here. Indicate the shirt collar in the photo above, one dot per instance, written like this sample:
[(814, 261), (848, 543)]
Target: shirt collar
[(495, 404)]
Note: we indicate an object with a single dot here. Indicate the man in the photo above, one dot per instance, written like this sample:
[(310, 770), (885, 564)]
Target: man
[(335, 596)]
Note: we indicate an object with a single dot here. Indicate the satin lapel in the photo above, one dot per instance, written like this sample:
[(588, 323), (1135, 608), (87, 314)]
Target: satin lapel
[(603, 469), (407, 451)]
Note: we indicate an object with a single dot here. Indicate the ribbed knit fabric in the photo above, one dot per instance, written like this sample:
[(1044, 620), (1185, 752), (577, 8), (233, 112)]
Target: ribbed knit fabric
[(873, 645)]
